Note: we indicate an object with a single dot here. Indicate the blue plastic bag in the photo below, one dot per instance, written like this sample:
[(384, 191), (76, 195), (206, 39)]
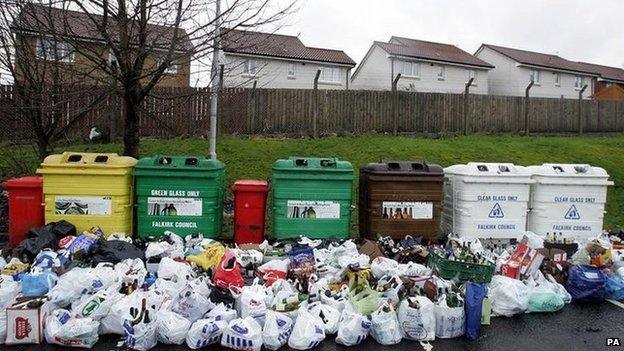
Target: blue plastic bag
[(586, 283), (614, 289), (475, 293), (38, 284)]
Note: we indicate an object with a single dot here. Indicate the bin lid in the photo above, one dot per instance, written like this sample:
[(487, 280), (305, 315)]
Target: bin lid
[(313, 164), (484, 169), (23, 182), (415, 168), (251, 185), (68, 162), (557, 172), (179, 163)]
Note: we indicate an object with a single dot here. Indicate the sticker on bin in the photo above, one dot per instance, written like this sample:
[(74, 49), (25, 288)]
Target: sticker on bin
[(313, 209), (407, 210), (174, 206), (83, 205)]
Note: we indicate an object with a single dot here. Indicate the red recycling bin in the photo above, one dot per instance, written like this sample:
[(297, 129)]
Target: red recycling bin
[(25, 206), (249, 210)]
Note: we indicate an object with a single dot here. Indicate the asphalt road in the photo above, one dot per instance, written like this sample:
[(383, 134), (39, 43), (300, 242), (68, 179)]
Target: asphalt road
[(576, 327)]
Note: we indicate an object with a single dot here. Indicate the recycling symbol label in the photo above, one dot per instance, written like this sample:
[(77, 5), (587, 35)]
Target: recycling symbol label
[(572, 213), (496, 212)]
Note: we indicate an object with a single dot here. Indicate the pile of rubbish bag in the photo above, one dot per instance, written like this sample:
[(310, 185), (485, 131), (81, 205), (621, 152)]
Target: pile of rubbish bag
[(68, 288)]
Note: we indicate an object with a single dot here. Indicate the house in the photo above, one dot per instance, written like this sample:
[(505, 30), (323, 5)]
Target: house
[(610, 83), (269, 60), (49, 47), (553, 76), (424, 66)]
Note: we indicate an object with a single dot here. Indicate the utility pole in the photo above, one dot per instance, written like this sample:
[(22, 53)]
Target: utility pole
[(316, 103), (395, 103), (580, 109), (466, 93), (526, 107), (214, 89)]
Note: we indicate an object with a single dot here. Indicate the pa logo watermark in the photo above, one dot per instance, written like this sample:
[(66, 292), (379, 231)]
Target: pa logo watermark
[(613, 342)]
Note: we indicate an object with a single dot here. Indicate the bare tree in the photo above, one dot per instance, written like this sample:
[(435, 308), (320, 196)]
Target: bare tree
[(44, 82), (137, 43)]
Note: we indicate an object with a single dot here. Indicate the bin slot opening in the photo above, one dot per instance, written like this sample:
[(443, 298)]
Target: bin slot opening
[(191, 161), (327, 163), (74, 158), (503, 168), (482, 168), (394, 166), (301, 162), (101, 159), (580, 169), (558, 169), (418, 166), (165, 160)]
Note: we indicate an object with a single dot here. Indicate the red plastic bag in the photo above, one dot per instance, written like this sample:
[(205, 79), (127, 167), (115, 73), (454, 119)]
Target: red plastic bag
[(228, 272)]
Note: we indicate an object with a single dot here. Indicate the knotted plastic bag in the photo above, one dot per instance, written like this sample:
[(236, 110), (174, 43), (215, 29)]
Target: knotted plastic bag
[(308, 331), (385, 328), (353, 327), (277, 329), (205, 332), (243, 334)]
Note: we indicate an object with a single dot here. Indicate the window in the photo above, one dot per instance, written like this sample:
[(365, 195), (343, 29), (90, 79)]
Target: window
[(112, 59), (409, 69), (250, 67), (441, 72), (578, 83), (291, 70), (557, 79), (472, 74), (330, 75), (535, 76), (172, 68), (51, 50)]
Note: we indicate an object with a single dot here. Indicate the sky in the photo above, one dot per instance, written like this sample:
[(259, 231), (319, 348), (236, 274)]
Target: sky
[(579, 30)]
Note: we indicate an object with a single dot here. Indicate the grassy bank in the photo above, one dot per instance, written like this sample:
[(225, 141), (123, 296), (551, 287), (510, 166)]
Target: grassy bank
[(252, 157)]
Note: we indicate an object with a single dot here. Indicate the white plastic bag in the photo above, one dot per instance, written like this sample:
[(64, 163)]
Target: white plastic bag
[(174, 270), (412, 269), (308, 331), (62, 329), (172, 327), (394, 285), (450, 322), (131, 270), (329, 315), (508, 296), (276, 331), (71, 286), (383, 266), (252, 302), (192, 301), (104, 276), (417, 323), (243, 334), (353, 328), (98, 305), (385, 328), (120, 310), (222, 312), (140, 337), (205, 332)]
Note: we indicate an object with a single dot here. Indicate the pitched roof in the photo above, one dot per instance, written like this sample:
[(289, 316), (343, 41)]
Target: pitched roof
[(279, 45), (46, 19), (431, 51), (540, 59), (606, 72)]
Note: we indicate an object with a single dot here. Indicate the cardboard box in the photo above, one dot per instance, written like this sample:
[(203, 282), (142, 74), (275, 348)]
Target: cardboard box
[(24, 325), (523, 263)]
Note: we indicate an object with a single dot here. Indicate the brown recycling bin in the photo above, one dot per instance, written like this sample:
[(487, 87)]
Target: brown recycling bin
[(400, 198)]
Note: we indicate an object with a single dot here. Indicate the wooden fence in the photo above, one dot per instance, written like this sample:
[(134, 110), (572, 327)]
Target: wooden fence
[(185, 112)]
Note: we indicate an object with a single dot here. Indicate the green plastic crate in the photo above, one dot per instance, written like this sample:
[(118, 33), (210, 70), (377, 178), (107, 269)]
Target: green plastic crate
[(463, 271), (312, 197), (181, 194)]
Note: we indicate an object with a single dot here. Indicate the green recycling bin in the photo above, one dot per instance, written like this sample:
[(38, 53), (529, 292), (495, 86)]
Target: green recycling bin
[(181, 194), (312, 197)]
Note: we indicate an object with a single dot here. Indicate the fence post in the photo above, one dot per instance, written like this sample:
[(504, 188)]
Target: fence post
[(316, 102), (527, 104), (580, 109), (395, 103), (466, 93)]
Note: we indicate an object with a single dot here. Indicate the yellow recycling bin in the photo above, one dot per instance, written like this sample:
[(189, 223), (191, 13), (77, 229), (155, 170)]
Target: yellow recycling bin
[(88, 190)]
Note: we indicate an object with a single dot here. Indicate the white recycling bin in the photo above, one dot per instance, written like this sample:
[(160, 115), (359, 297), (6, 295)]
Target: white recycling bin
[(486, 200), (568, 199)]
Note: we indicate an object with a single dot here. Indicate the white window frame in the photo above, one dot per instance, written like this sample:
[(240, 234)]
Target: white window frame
[(557, 79), (409, 69), (535, 73), (471, 73), (291, 70), (330, 75), (250, 67), (48, 49), (441, 72), (578, 82)]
